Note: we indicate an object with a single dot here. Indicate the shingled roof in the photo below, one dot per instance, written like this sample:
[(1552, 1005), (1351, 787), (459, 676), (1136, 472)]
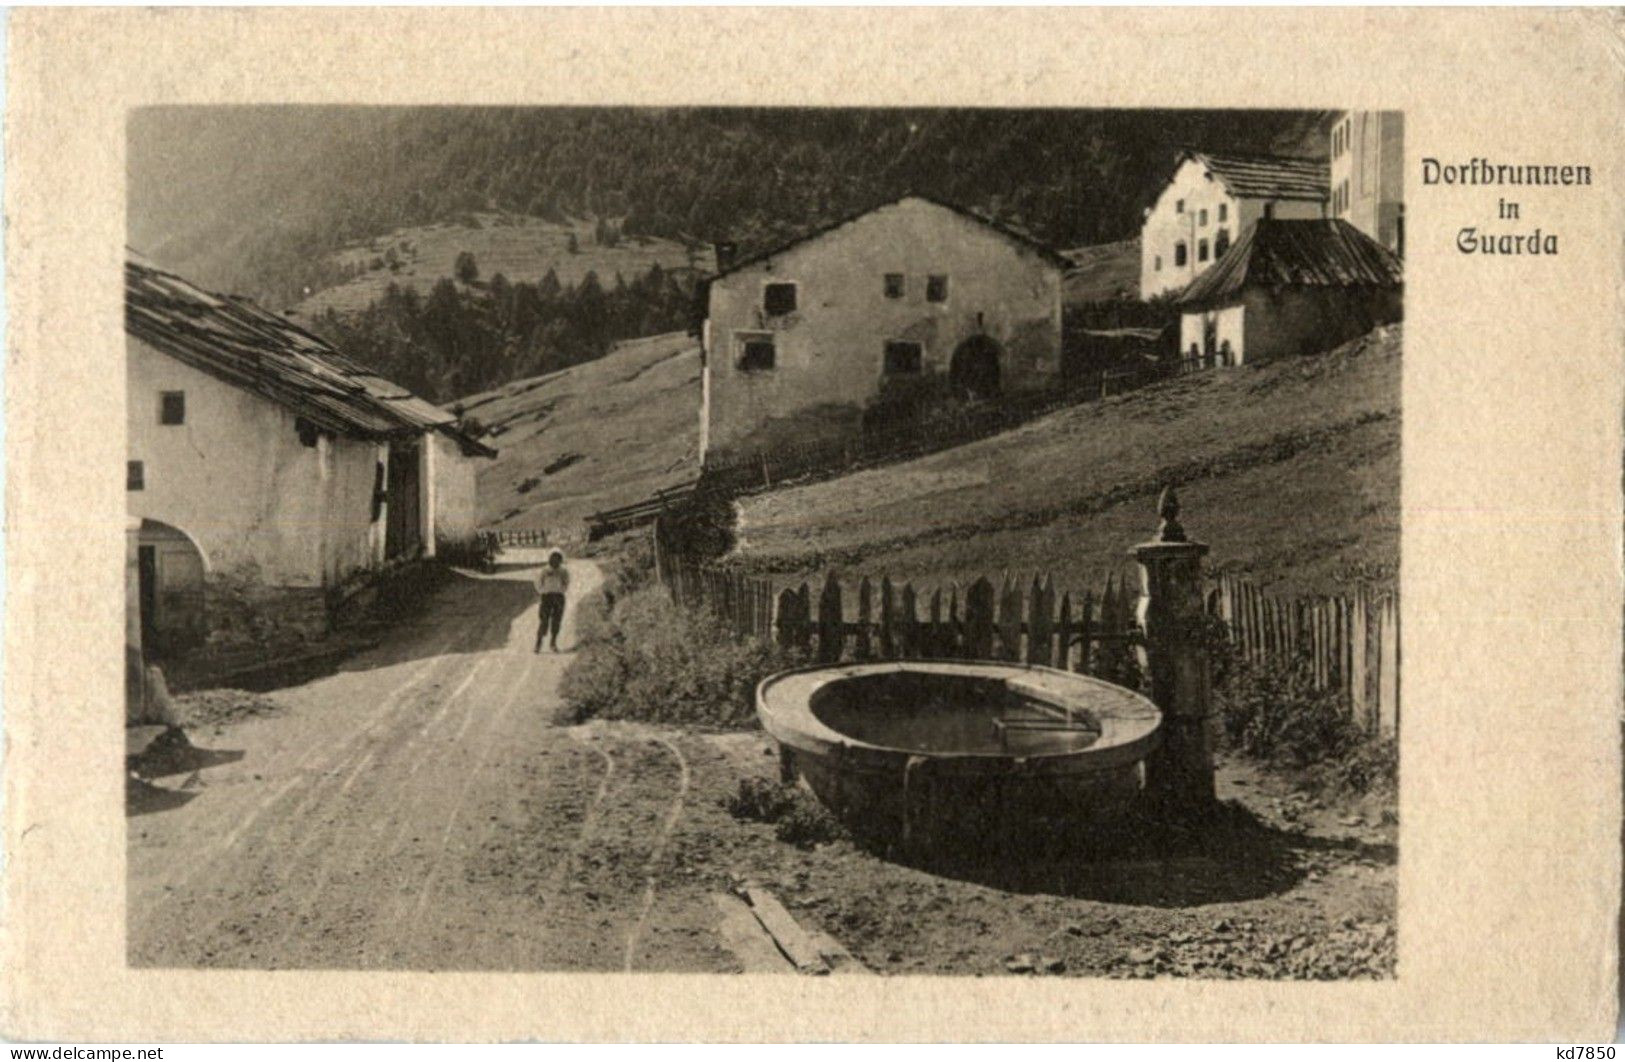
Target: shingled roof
[(1266, 176), (232, 339), (1318, 252), (1014, 235)]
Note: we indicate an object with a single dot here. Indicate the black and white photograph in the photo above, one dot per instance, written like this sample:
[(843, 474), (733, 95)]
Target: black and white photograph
[(824, 541)]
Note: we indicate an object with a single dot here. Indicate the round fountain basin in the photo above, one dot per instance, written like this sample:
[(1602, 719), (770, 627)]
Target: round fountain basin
[(930, 748)]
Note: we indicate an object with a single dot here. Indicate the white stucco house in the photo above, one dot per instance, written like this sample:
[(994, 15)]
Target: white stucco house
[(904, 305), (269, 473), (1210, 200), (1367, 150), (1289, 287)]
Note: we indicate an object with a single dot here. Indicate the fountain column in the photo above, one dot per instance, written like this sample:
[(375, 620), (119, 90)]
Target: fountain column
[(1179, 773)]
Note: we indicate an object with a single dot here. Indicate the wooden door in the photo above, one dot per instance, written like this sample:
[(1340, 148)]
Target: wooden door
[(402, 532)]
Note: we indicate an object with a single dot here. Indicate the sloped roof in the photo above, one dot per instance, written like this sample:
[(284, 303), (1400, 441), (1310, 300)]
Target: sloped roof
[(1016, 236), (1267, 176), (1317, 252), (232, 339)]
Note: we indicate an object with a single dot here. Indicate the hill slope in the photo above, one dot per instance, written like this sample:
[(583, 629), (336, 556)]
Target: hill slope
[(613, 431), (1289, 471), (1104, 271), (256, 199), (515, 245)]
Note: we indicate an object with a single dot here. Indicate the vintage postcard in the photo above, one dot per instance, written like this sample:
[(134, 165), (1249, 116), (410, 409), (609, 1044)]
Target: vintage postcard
[(814, 524)]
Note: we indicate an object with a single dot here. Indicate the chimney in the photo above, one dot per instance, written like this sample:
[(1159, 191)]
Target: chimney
[(726, 252)]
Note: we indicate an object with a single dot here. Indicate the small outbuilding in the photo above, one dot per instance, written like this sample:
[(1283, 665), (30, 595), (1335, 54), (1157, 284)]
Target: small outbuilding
[(1289, 287)]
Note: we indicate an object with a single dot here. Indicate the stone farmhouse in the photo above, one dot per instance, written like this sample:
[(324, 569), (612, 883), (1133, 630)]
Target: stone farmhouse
[(1289, 287), (1210, 200), (270, 476), (909, 304)]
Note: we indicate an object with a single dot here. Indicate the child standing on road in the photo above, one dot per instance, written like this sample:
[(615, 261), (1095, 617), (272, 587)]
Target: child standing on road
[(551, 585)]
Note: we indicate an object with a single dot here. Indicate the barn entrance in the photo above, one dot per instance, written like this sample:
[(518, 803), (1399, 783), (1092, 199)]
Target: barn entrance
[(170, 570), (973, 372)]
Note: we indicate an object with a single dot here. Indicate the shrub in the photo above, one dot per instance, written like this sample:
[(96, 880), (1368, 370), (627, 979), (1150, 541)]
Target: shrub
[(1272, 710), (644, 658), (797, 815)]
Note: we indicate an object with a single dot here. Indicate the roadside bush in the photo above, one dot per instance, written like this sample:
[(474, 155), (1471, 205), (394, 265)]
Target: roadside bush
[(797, 815), (1272, 710), (644, 658)]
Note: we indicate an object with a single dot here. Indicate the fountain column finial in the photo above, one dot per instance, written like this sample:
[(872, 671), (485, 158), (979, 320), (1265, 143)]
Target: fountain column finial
[(1179, 774)]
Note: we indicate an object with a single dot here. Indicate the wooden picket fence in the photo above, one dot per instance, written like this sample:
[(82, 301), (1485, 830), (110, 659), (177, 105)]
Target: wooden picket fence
[(517, 537), (886, 620), (1351, 643)]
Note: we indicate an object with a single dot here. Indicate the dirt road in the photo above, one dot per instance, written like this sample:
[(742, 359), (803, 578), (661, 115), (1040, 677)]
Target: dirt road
[(425, 808), (421, 809)]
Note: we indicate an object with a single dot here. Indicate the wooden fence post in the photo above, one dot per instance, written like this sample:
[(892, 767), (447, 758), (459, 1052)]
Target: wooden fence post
[(979, 620), (1179, 773), (831, 629)]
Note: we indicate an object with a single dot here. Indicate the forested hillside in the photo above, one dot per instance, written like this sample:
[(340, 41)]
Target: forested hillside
[(258, 199)]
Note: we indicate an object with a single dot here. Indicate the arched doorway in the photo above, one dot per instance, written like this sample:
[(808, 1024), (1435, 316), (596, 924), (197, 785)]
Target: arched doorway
[(973, 372), (170, 572)]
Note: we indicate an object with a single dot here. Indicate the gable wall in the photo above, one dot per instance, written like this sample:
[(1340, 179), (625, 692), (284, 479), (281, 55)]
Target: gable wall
[(830, 351), (1166, 225), (262, 507)]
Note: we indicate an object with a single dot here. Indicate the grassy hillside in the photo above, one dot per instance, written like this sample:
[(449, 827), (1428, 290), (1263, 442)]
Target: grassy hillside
[(1289, 471), (612, 431), (1104, 271), (516, 245)]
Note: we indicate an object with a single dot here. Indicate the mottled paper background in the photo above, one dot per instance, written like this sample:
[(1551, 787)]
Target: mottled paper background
[(1510, 801)]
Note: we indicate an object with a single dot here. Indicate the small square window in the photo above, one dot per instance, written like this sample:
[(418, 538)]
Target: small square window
[(903, 356), (757, 353), (172, 407), (936, 288), (894, 285), (779, 299), (135, 476)]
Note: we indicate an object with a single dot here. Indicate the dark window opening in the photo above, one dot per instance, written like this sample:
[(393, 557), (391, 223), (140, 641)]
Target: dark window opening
[(306, 430), (1179, 207), (778, 299), (1158, 262), (936, 288), (1221, 243), (172, 407), (903, 356), (135, 476), (1201, 251), (1269, 210), (1181, 255), (1201, 217), (894, 285), (380, 492), (757, 354), (1224, 210)]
